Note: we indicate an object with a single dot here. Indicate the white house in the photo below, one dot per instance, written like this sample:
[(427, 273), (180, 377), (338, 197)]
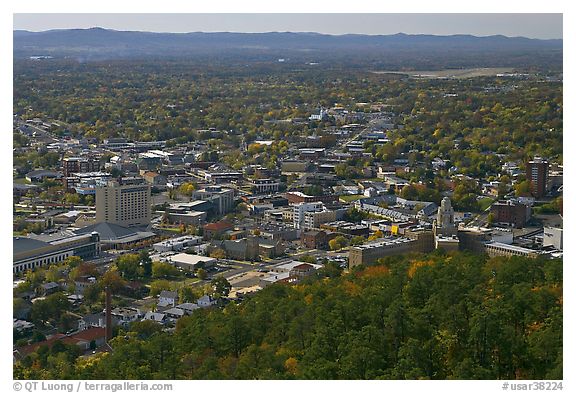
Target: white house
[(206, 301), (168, 298), (155, 316)]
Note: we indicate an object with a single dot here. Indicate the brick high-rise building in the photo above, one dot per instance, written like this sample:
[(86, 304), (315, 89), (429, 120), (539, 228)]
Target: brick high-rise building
[(537, 175)]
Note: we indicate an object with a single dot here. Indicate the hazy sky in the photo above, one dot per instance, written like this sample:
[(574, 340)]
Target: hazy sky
[(526, 25)]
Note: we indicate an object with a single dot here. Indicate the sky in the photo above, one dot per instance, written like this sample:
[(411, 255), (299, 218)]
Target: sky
[(544, 26)]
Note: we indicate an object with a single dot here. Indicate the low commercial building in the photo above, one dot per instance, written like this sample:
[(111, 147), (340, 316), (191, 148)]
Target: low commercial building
[(511, 213), (495, 249), (252, 248), (287, 267), (114, 236), (190, 262), (177, 244), (85, 183), (188, 218), (265, 186), (302, 270), (347, 228), (40, 175), (369, 253), (553, 237), (222, 177), (214, 229), (315, 239), (222, 198), (31, 253), (447, 243), (300, 197), (314, 219)]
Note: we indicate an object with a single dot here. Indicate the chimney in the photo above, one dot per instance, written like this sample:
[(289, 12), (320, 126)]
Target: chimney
[(108, 314)]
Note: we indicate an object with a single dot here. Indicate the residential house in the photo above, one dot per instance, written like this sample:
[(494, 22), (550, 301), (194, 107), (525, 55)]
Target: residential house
[(206, 301), (126, 315), (188, 308), (174, 313), (158, 317), (168, 298)]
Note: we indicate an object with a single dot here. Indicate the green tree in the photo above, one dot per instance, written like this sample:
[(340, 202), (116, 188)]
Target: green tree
[(187, 189), (220, 287), (338, 243), (218, 253), (201, 274), (158, 286), (51, 308), (72, 198), (164, 270), (129, 266)]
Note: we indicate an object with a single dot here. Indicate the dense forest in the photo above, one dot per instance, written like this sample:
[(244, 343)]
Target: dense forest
[(436, 316)]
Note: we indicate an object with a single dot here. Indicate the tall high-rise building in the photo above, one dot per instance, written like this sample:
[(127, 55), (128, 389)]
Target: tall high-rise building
[(537, 175), (124, 202)]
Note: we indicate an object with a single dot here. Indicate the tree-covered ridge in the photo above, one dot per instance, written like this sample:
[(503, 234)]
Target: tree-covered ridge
[(456, 316)]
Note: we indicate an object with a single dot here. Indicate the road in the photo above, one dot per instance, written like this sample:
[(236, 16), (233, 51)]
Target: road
[(41, 135)]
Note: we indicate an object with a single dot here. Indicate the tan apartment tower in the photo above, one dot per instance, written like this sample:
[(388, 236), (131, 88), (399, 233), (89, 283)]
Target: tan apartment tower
[(124, 202)]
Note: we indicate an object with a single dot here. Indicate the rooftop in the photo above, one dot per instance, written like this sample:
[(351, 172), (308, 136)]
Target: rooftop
[(190, 259), (383, 243)]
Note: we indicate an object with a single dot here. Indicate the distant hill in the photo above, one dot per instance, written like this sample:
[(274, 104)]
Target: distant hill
[(98, 43)]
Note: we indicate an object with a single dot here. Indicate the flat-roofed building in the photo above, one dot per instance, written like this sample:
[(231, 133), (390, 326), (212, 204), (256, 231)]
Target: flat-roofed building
[(315, 239), (265, 186), (496, 249), (190, 262), (369, 253), (72, 165), (553, 237), (124, 202), (222, 198), (32, 253), (537, 175), (300, 197), (314, 219), (510, 212), (177, 244), (301, 208)]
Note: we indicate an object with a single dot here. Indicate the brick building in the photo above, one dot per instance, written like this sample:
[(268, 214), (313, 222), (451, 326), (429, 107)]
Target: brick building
[(510, 212)]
